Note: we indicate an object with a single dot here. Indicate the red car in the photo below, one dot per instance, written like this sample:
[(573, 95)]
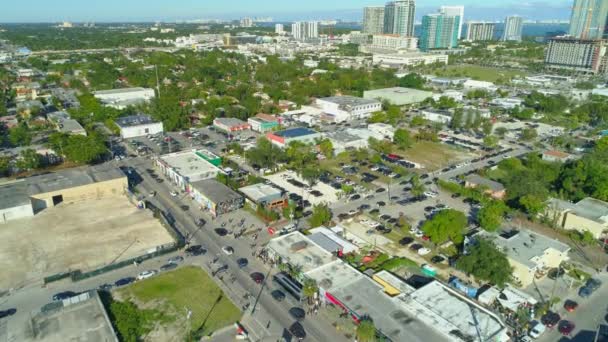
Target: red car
[(566, 327), (425, 238), (570, 305)]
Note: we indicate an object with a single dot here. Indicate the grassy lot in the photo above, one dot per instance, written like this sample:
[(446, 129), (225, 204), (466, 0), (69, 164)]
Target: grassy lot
[(479, 73), (186, 288), (432, 155)]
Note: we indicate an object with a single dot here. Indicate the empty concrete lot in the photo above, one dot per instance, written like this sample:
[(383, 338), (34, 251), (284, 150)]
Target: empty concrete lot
[(74, 236)]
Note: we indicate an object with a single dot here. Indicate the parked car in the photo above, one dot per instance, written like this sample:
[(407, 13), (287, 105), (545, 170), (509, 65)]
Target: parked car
[(221, 231), (146, 274), (257, 277), (437, 259), (278, 295), (566, 327), (64, 295), (415, 247), (9, 312), (174, 193), (424, 251), (406, 241), (242, 262), (590, 286), (570, 305), (228, 250), (537, 330), (168, 267), (124, 281), (195, 250), (550, 319), (175, 260)]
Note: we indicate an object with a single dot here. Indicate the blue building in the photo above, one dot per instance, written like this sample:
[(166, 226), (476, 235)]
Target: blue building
[(439, 31)]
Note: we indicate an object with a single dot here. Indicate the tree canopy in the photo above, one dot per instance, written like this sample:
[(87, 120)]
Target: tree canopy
[(447, 225), (485, 262), (321, 215)]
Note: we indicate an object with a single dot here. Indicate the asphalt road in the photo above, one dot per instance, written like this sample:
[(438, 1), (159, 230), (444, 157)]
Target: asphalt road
[(270, 318)]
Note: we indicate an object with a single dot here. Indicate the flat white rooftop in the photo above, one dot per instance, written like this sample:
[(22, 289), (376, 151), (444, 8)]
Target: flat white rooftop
[(188, 163), (297, 249)]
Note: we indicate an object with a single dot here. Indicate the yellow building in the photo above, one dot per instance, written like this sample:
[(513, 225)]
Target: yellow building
[(588, 214), (530, 254)]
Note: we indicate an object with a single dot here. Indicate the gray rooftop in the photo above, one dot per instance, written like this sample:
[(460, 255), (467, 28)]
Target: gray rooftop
[(589, 208), (343, 136), (134, 120), (190, 164), (350, 101), (398, 95), (81, 318), (215, 191), (297, 249), (14, 193), (325, 242), (70, 126), (477, 180), (230, 121), (118, 91), (261, 191), (525, 246)]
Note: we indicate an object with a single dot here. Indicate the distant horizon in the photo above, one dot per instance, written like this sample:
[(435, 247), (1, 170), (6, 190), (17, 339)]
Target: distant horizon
[(40, 11)]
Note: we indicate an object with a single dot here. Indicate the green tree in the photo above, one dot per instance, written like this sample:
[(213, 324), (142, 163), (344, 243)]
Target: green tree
[(490, 141), (380, 146), (309, 289), (500, 131), (327, 148), (491, 215), (19, 135), (447, 225), (486, 127), (412, 80), (485, 262), (321, 215), (29, 160), (457, 121), (5, 166), (418, 121), (310, 174), (533, 205), (402, 138), (366, 330), (528, 134), (418, 189)]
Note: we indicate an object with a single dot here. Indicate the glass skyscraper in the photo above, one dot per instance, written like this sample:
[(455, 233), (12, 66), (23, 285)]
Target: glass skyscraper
[(439, 31), (399, 17), (588, 20)]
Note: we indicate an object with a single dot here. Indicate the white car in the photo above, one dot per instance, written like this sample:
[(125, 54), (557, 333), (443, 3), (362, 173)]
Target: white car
[(430, 194), (146, 274), (418, 234), (537, 330), (353, 212), (174, 194), (424, 251), (228, 250)]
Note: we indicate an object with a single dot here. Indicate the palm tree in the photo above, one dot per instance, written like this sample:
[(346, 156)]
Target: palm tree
[(309, 289), (366, 330)]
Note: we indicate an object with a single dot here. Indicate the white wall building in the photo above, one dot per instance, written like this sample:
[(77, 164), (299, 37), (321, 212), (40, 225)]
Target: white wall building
[(138, 126), (390, 43), (454, 11), (473, 84), (346, 108), (506, 103), (440, 116), (279, 29), (122, 98), (385, 130), (409, 59), (302, 30)]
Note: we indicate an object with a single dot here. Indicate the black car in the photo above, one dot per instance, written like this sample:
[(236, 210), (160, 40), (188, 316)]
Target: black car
[(297, 313), (415, 247), (221, 231), (242, 262), (381, 204), (374, 211), (379, 190), (385, 217), (106, 287), (392, 220), (550, 319), (437, 259), (425, 176), (184, 207), (364, 206), (278, 295), (124, 281), (64, 295), (355, 197), (6, 313), (456, 195), (406, 241), (428, 209), (168, 267)]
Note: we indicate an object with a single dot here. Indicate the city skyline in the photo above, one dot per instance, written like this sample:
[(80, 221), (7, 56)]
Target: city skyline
[(69, 10)]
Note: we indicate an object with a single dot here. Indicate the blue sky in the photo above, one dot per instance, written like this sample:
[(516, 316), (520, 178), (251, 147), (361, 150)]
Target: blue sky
[(132, 10)]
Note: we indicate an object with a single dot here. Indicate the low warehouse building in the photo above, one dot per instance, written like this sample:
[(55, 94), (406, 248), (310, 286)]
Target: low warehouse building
[(265, 195), (138, 126), (230, 125), (186, 167), (398, 96), (283, 138), (26, 197), (215, 197)]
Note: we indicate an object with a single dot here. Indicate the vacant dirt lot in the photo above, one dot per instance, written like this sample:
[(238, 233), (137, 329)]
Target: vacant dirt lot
[(75, 236)]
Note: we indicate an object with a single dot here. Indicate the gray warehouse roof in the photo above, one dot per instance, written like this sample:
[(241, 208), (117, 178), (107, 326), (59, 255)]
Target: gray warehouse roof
[(260, 192), (215, 191), (18, 192), (398, 95), (349, 101), (589, 208), (117, 91), (134, 120)]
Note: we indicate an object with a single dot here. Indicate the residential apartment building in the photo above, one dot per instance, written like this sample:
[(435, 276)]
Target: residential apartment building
[(439, 31), (513, 28), (303, 30), (589, 19), (246, 22), (399, 17), (479, 30), (373, 19), (390, 43), (530, 254), (454, 11), (279, 29), (588, 214), (587, 56)]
